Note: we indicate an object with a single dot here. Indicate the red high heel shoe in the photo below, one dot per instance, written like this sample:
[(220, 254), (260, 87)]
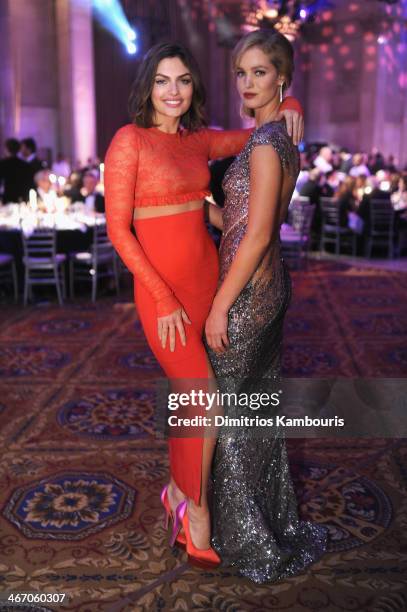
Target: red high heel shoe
[(207, 558), (177, 538)]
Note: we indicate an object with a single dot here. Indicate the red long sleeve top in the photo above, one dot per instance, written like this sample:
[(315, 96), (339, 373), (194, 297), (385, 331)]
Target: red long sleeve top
[(148, 167)]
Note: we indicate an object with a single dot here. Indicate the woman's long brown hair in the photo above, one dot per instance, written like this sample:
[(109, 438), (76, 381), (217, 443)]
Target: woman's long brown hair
[(140, 105)]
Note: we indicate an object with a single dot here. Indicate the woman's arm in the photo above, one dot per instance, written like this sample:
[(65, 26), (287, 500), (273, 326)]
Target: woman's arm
[(227, 143), (121, 165), (214, 214), (265, 185)]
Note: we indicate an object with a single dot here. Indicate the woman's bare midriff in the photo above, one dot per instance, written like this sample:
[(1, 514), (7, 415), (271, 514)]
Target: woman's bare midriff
[(148, 212)]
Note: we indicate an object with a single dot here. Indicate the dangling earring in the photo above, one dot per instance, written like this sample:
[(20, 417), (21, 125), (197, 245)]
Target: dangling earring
[(281, 92)]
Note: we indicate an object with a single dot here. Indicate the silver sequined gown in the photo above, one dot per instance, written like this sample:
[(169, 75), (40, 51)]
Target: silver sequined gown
[(255, 522)]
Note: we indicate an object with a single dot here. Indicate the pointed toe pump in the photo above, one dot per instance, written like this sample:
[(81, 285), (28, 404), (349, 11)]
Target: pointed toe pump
[(206, 558)]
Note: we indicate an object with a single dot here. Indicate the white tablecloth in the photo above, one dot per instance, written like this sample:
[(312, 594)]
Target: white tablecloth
[(76, 217)]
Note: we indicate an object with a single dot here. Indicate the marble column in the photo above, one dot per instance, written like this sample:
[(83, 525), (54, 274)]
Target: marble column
[(77, 116), (28, 72), (390, 109), (7, 102)]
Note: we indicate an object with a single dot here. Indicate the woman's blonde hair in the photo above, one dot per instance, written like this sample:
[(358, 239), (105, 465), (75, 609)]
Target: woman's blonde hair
[(278, 49)]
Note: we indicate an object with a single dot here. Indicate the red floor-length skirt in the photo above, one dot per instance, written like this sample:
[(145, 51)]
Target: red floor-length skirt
[(183, 253)]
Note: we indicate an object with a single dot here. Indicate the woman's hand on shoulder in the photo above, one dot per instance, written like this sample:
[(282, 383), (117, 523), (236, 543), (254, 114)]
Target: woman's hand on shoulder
[(295, 124), (168, 326)]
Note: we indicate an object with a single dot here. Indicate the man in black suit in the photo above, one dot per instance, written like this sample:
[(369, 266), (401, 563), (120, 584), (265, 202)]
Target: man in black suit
[(89, 193), (311, 188), (345, 160), (28, 153), (14, 174)]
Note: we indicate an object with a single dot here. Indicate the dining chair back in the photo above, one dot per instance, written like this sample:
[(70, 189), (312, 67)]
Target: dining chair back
[(381, 227), (8, 272), (99, 262), (42, 264), (331, 231)]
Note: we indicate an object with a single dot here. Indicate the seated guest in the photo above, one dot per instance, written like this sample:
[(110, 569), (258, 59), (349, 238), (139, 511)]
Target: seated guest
[(14, 174), (336, 160), (399, 197), (345, 160), (376, 162), (323, 161), (28, 153), (373, 190), (399, 203), (45, 189), (304, 172), (73, 187), (359, 167), (363, 184), (384, 178), (345, 198), (394, 180), (391, 164), (94, 200), (374, 193), (311, 188), (325, 186), (61, 167)]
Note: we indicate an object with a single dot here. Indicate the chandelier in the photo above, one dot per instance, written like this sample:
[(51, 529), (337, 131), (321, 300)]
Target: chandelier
[(286, 16)]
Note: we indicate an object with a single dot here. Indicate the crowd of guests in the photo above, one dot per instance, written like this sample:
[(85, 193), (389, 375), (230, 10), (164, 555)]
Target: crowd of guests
[(22, 171), (353, 181), (18, 168)]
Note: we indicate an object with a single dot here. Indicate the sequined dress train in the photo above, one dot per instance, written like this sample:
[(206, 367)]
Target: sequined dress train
[(256, 527)]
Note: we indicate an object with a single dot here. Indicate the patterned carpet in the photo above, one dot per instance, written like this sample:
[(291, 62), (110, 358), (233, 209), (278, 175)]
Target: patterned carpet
[(81, 469)]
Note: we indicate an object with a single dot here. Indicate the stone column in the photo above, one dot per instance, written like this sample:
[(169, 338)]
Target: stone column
[(28, 72), (7, 101), (77, 116), (390, 117)]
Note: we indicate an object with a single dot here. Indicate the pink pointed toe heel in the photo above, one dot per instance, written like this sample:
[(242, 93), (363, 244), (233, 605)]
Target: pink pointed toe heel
[(206, 558), (177, 537)]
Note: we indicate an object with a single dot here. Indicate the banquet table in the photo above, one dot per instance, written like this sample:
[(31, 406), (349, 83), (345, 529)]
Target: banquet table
[(73, 226)]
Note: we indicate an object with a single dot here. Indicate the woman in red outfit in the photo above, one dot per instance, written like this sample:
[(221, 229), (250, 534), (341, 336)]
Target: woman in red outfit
[(156, 180)]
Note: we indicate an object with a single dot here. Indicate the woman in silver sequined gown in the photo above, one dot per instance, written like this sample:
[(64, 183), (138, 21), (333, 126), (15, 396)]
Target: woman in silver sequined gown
[(256, 527)]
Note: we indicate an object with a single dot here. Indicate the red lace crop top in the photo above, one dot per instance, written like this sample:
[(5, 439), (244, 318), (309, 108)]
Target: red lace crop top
[(148, 167)]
